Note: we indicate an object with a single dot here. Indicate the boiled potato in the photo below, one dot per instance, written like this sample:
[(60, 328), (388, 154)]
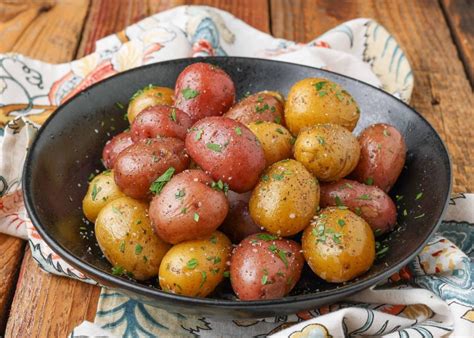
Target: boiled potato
[(195, 268), (261, 106), (338, 245), (316, 100), (264, 266), (382, 156), (285, 199), (102, 190), (329, 151), (276, 141), (147, 97), (227, 150), (125, 236)]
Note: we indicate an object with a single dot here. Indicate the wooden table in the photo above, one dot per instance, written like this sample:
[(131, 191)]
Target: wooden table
[(437, 36)]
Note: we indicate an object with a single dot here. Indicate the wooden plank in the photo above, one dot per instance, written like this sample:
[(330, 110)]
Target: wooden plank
[(460, 17), (10, 261), (253, 12), (49, 306), (107, 17), (42, 303), (442, 92)]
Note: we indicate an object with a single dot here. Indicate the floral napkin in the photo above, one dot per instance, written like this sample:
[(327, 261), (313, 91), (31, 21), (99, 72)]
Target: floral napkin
[(432, 296)]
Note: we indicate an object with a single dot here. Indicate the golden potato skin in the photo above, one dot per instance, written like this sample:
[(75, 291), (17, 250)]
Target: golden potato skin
[(275, 139), (316, 100), (285, 199), (195, 268), (147, 97), (338, 245), (102, 190), (125, 236), (329, 151)]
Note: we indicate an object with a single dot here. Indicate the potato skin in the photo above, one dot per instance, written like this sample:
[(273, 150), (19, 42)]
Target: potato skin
[(126, 238), (382, 157), (102, 190), (228, 150), (329, 151), (239, 224), (317, 101), (338, 245), (147, 97), (173, 212), (160, 120), (262, 106), (257, 271), (204, 90), (139, 165), (195, 268), (369, 202), (275, 139), (285, 199), (114, 147)]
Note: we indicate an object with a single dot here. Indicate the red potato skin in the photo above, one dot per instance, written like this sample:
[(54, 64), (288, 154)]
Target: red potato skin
[(382, 156), (251, 109), (376, 208), (238, 224), (160, 120), (240, 158), (114, 147), (252, 259), (216, 91), (140, 164), (166, 210)]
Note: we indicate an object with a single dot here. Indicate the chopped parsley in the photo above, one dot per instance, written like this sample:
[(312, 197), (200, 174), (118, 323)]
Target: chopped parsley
[(122, 246), (173, 115), (277, 119), (160, 182), (339, 202), (358, 211), (369, 181), (267, 237), (117, 270), (198, 135), (184, 210), (203, 278), (226, 274), (279, 131), (319, 85), (196, 217), (214, 147), (238, 131), (419, 216), (278, 177), (265, 178), (321, 140), (119, 105), (95, 191), (405, 213), (281, 253), (138, 249), (364, 197), (192, 263), (386, 132), (213, 239), (180, 193), (265, 277), (341, 222), (142, 91), (398, 197), (189, 93), (419, 195)]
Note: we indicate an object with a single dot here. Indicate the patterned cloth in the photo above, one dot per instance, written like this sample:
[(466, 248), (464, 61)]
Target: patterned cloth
[(30, 90)]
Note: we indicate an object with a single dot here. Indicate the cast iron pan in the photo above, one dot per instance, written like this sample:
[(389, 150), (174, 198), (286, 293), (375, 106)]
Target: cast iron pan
[(69, 146)]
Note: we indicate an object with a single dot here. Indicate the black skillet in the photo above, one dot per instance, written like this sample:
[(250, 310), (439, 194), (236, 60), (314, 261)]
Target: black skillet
[(69, 145)]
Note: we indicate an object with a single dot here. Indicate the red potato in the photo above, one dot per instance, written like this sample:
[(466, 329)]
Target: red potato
[(204, 90), (238, 224), (140, 164), (228, 150), (382, 156), (188, 208), (160, 120), (257, 107), (114, 147), (264, 266), (369, 202)]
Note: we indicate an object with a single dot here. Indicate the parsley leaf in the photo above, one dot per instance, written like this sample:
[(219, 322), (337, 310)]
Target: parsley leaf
[(160, 182), (189, 93), (214, 147)]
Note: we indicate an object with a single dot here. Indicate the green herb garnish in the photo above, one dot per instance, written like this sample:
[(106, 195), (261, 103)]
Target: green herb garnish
[(160, 182), (214, 147), (138, 249), (192, 263), (189, 93)]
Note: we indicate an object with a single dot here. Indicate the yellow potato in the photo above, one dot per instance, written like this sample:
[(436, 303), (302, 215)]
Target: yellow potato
[(125, 236), (285, 199), (338, 245), (329, 151), (195, 268), (276, 141), (316, 100), (147, 97), (102, 190)]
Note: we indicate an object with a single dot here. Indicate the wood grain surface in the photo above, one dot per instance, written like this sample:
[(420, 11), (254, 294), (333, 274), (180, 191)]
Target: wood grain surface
[(460, 17), (436, 36)]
